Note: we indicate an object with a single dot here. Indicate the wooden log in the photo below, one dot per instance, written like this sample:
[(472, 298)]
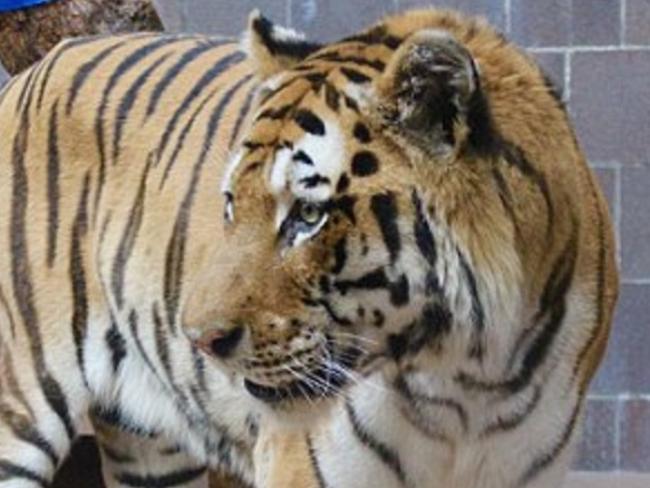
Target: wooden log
[(26, 35)]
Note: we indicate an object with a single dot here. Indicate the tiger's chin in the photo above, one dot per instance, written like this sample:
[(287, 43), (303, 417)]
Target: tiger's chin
[(300, 403)]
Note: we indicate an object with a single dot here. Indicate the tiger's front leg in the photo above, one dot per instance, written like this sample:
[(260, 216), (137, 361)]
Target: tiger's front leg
[(130, 460), (39, 417)]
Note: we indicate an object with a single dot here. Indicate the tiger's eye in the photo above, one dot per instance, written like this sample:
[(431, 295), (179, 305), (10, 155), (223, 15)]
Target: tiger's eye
[(310, 213)]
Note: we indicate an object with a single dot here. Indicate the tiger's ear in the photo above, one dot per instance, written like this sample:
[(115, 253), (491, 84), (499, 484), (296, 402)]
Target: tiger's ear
[(428, 91), (273, 48)]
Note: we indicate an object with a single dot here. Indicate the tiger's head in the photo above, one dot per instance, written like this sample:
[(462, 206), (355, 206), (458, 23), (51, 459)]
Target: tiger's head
[(330, 262)]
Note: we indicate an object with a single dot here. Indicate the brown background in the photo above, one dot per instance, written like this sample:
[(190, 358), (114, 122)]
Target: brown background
[(598, 52)]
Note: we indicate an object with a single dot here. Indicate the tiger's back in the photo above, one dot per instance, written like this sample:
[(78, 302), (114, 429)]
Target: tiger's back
[(104, 147)]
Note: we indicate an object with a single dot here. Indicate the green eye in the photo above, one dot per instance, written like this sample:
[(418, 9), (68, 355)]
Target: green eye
[(310, 213)]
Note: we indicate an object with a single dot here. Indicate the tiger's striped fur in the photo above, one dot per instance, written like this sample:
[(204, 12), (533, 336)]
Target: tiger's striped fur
[(111, 151), (409, 212), (455, 252)]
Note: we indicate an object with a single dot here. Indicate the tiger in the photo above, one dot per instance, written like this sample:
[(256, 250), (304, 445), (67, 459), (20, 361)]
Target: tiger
[(417, 272), (381, 261)]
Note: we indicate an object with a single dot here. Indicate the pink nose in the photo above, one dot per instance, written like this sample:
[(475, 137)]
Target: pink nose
[(221, 343)]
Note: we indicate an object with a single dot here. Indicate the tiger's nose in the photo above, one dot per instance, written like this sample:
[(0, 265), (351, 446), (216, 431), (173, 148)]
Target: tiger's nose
[(221, 343)]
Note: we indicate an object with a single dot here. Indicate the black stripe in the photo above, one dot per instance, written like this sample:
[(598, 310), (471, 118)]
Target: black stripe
[(12, 382), (343, 184), (23, 98), (130, 61), (449, 404), (128, 100), (180, 142), (162, 346), (544, 460), (37, 69), (337, 57), (334, 316), (134, 326), (52, 184), (127, 241), (62, 49), (346, 205), (171, 450), (133, 59), (351, 103), (397, 345), (198, 364), (254, 146), (332, 97), (310, 122), (174, 70), (314, 181), (372, 280), (175, 254), (384, 208), (116, 344), (23, 428), (387, 455), (21, 276), (376, 35), (244, 110), (267, 95), (434, 323), (168, 480), (552, 308), (478, 313), (515, 156), (84, 71), (10, 471), (514, 420), (399, 291), (78, 276), (483, 139), (114, 417), (162, 349), (423, 236), (315, 466), (316, 81), (173, 277), (600, 282), (354, 75), (302, 157), (188, 126), (164, 357), (273, 113), (5, 306), (505, 195), (340, 255), (57, 401), (210, 75), (116, 456)]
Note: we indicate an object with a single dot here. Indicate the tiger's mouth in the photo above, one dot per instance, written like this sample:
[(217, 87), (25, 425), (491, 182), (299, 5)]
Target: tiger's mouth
[(319, 385), (316, 384)]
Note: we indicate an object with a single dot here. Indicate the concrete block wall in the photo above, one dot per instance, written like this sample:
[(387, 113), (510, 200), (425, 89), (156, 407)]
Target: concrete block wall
[(598, 53)]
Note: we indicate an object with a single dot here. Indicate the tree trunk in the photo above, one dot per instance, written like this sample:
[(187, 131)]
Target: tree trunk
[(26, 35)]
